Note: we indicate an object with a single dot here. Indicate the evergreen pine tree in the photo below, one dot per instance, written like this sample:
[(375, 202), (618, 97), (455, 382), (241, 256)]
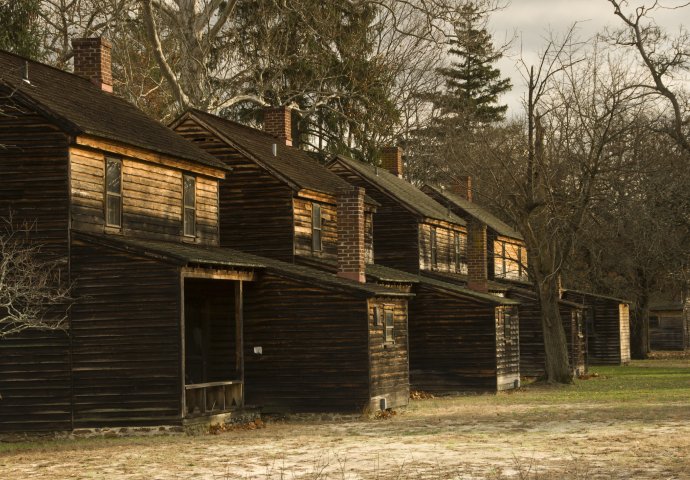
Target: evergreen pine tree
[(19, 33), (473, 84)]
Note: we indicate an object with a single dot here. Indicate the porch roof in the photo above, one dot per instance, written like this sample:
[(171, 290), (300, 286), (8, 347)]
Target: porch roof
[(184, 254)]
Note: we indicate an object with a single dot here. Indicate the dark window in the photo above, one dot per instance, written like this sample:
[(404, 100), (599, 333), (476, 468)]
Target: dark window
[(434, 248), (377, 316), (460, 253), (389, 334), (189, 205), (316, 227), (113, 192)]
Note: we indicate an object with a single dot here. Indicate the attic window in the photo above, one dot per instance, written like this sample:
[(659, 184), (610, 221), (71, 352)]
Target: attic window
[(316, 224), (113, 192), (189, 205)]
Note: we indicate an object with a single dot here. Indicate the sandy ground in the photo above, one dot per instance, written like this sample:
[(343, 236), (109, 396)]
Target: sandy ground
[(433, 439)]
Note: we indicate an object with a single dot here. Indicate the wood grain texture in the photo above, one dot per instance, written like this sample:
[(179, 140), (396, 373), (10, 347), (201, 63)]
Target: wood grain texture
[(396, 233), (607, 331), (256, 209), (454, 344), (126, 339), (34, 365)]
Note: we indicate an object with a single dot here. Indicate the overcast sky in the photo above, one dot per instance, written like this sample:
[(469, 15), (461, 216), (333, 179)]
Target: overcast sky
[(530, 20)]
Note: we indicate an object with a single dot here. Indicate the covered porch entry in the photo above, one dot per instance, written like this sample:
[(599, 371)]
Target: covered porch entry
[(212, 341)]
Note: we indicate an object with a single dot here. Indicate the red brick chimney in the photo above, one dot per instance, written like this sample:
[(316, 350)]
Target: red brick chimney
[(477, 275), (391, 160), (350, 223), (278, 122), (92, 61), (462, 187)]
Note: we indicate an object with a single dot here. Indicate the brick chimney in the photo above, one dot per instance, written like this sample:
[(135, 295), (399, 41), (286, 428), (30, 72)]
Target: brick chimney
[(477, 275), (462, 187), (391, 160), (350, 220), (278, 122), (92, 61)]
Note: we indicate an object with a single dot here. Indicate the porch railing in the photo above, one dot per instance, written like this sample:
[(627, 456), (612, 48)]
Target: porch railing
[(213, 397)]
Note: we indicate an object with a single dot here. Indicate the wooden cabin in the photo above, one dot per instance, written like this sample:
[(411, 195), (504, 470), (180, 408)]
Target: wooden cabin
[(280, 201), (607, 327), (461, 337), (507, 267), (668, 325), (157, 332)]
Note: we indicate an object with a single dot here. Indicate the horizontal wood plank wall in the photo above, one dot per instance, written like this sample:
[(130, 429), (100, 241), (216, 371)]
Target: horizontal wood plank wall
[(396, 233), (390, 377), (34, 366), (532, 353), (507, 347), (126, 339), (314, 343), (255, 208), (452, 343), (445, 249), (303, 233), (604, 339), (151, 198)]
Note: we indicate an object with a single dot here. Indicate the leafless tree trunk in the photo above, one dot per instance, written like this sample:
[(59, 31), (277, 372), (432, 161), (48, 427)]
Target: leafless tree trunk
[(32, 294)]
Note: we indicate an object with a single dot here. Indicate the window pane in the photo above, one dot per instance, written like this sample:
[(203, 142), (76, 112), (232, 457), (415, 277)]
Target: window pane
[(316, 227), (389, 318), (113, 175), (189, 222), (113, 210), (189, 186)]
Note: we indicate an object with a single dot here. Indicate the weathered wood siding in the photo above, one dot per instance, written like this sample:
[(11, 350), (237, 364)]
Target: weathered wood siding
[(303, 229), (507, 347), (126, 339), (256, 213), (388, 361), (445, 249), (607, 331), (667, 330), (396, 234), (452, 343), (151, 198), (532, 352), (34, 366), (315, 347)]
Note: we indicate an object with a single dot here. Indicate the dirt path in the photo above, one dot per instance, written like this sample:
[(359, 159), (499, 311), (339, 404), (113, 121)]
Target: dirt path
[(439, 439)]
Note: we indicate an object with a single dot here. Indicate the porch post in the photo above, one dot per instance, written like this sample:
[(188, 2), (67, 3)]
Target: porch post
[(239, 329)]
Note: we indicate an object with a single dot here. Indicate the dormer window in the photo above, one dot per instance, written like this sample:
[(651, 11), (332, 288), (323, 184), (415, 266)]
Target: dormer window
[(189, 205), (316, 224), (113, 192)]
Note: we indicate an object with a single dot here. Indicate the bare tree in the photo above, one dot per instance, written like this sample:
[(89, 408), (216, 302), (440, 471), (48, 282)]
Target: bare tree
[(543, 175), (663, 56), (32, 293)]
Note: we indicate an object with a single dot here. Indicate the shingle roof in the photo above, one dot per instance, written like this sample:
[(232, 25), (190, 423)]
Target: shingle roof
[(404, 192), (462, 279), (79, 106), (595, 295), (465, 292), (478, 212), (291, 164), (191, 254)]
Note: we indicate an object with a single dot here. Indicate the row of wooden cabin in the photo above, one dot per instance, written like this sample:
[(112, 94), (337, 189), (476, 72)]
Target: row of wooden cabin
[(214, 265)]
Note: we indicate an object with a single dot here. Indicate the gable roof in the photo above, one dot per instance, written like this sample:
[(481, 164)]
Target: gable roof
[(411, 197), (184, 254), (476, 211), (80, 107), (294, 166)]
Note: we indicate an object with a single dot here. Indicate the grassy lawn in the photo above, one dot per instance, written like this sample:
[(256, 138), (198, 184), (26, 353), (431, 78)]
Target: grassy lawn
[(621, 422)]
